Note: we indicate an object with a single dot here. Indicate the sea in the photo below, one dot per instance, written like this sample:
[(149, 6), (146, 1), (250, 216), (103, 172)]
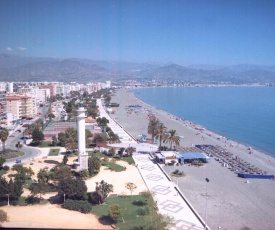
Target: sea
[(243, 114)]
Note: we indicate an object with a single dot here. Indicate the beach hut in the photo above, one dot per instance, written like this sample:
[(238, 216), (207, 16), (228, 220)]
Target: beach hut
[(188, 157), (168, 157)]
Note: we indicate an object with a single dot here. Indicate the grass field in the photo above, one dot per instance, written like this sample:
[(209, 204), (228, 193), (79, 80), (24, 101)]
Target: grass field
[(132, 206), (10, 153), (128, 159), (54, 152), (113, 166)]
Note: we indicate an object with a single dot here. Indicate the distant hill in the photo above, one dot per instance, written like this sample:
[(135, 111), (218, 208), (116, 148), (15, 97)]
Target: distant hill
[(20, 68)]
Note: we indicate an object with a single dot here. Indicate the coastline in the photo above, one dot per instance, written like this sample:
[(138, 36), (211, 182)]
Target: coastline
[(216, 128), (228, 192), (261, 155)]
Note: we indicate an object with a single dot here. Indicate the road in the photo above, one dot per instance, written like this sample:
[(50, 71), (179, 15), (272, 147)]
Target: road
[(14, 137)]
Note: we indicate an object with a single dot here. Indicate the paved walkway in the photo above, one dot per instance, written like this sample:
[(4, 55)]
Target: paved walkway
[(169, 201), (116, 128)]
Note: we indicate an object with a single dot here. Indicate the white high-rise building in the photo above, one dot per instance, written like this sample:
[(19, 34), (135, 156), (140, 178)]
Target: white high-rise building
[(10, 87)]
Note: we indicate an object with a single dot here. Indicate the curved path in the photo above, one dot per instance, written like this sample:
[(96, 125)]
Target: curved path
[(30, 152)]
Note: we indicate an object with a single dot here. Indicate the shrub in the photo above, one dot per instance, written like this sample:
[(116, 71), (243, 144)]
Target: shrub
[(77, 205), (3, 216), (143, 211), (115, 212), (93, 198), (139, 202), (6, 168)]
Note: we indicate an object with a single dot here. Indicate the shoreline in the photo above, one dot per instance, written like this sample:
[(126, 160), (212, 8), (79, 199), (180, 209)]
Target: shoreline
[(261, 155), (216, 133), (230, 197)]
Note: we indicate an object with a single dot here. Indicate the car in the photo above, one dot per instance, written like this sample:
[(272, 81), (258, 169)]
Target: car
[(18, 131), (18, 161)]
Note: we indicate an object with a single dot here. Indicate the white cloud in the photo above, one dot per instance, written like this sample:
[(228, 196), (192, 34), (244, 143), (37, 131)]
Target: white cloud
[(21, 48), (9, 49)]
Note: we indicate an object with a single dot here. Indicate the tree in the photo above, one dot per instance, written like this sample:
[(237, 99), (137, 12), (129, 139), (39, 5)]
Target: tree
[(88, 135), (12, 188), (30, 129), (54, 140), (94, 165), (74, 189), (3, 216), (153, 127), (71, 138), (130, 151), (62, 138), (60, 172), (111, 152), (18, 146), (51, 116), (37, 135), (161, 133), (38, 188), (65, 160), (4, 133), (121, 151), (172, 138), (103, 189), (84, 174), (43, 176), (23, 173), (130, 186), (102, 122), (115, 212)]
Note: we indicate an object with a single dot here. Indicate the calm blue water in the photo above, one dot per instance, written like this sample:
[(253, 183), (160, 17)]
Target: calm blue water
[(244, 114)]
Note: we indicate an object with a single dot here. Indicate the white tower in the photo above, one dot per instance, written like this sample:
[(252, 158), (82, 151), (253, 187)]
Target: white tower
[(82, 155)]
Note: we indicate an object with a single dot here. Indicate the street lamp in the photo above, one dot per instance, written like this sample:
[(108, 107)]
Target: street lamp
[(207, 181), (8, 199), (64, 197)]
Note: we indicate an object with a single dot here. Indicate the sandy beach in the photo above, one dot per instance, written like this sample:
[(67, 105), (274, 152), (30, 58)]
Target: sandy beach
[(232, 203)]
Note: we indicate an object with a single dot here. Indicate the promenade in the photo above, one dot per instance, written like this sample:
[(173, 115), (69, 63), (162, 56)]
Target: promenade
[(116, 128)]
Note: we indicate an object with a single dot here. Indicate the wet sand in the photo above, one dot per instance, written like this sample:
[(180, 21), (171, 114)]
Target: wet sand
[(232, 203)]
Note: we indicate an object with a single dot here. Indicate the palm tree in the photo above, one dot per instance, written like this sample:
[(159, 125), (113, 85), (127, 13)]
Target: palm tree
[(161, 133), (130, 151), (172, 138), (152, 128), (4, 133)]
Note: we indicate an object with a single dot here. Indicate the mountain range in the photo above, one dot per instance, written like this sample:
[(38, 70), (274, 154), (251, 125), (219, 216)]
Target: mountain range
[(25, 69)]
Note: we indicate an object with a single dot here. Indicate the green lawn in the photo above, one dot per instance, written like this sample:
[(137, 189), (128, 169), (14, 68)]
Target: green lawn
[(113, 166), (42, 144), (131, 215), (11, 153), (54, 152), (129, 159)]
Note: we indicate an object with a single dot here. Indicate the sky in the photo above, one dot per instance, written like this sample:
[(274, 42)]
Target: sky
[(222, 32)]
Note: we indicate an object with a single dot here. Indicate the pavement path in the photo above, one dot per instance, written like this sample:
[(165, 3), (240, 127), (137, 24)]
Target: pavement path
[(169, 201), (116, 128)]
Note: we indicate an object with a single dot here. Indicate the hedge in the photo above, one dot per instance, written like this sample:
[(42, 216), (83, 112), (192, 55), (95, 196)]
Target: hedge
[(77, 205)]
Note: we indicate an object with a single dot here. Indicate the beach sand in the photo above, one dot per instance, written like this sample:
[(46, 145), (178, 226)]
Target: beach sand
[(232, 203)]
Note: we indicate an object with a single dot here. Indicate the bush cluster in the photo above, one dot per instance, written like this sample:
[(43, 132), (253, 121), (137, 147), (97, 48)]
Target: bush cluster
[(77, 205), (143, 211)]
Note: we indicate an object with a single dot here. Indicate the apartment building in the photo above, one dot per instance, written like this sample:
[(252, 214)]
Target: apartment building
[(20, 106)]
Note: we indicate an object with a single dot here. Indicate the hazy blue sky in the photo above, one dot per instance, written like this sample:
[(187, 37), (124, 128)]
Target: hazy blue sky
[(183, 32)]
